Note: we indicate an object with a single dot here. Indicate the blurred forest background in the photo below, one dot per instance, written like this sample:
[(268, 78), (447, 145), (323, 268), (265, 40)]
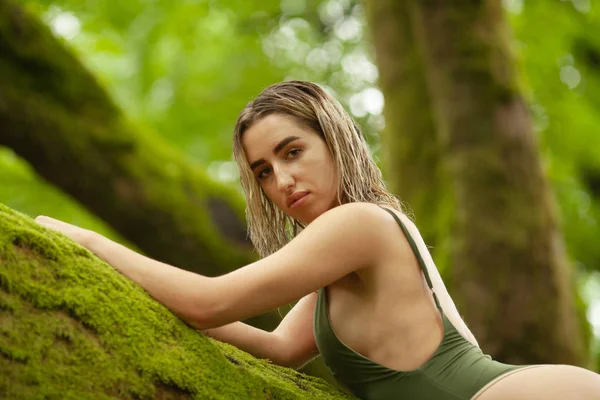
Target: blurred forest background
[(182, 71)]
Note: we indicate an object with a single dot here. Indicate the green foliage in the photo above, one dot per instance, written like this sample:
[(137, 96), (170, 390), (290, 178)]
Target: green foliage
[(72, 328), (556, 47), (187, 70)]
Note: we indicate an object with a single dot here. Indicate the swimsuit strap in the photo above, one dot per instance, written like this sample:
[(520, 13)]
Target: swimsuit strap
[(417, 254)]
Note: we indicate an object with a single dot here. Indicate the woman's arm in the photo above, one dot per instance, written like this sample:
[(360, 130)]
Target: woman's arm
[(340, 241), (292, 344), (295, 333), (258, 342), (179, 290)]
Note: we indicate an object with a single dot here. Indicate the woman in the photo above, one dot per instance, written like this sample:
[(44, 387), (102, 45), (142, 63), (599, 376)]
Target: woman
[(371, 300)]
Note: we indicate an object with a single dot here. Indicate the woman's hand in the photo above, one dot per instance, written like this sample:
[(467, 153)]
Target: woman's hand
[(80, 235)]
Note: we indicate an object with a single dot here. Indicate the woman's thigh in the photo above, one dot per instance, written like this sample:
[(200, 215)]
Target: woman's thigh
[(548, 382)]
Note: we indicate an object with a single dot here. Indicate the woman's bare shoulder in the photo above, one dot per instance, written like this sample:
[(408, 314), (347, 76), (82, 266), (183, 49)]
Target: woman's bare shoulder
[(342, 240), (359, 212), (345, 227)]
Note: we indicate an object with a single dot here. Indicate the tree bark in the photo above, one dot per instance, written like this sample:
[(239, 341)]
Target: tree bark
[(412, 166), (508, 267), (72, 327), (54, 114)]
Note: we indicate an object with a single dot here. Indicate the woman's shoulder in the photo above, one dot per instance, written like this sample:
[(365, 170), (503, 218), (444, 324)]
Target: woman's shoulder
[(366, 221), (362, 213)]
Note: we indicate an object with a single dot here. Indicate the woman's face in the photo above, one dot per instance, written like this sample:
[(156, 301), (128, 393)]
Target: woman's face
[(292, 165)]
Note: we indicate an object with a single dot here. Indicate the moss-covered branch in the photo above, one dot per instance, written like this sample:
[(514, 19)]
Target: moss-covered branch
[(71, 327), (55, 115)]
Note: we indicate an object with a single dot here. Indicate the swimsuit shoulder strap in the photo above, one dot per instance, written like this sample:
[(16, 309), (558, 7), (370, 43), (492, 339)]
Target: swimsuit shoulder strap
[(417, 253)]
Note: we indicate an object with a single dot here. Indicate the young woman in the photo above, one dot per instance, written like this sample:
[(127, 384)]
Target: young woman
[(371, 300)]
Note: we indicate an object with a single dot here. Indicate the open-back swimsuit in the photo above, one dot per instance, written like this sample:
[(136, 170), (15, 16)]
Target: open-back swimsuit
[(457, 370)]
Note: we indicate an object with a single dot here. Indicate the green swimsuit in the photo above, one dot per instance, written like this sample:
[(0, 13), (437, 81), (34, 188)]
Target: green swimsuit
[(457, 370)]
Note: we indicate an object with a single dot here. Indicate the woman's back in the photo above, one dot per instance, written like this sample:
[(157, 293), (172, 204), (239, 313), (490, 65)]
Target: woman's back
[(383, 330), (387, 312)]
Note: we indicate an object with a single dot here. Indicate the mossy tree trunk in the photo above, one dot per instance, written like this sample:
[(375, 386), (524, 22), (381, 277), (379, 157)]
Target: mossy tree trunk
[(55, 115), (412, 166), (508, 270), (72, 327)]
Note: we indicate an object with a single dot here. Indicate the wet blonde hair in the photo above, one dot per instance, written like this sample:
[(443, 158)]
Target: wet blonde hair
[(360, 179)]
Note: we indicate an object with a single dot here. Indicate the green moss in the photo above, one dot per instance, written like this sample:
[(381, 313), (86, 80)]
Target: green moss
[(73, 327)]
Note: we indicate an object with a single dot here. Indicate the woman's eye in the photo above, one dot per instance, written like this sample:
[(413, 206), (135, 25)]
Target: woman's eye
[(264, 173), (293, 153)]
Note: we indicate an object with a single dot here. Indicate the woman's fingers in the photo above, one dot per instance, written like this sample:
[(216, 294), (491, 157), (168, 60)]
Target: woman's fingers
[(46, 221), (74, 232)]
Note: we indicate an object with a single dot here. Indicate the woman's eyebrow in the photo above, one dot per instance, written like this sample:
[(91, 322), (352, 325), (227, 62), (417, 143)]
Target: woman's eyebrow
[(284, 143), (276, 150)]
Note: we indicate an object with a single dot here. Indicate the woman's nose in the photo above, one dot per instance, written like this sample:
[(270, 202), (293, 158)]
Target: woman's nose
[(285, 180)]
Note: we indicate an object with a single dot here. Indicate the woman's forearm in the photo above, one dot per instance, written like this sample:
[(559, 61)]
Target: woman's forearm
[(259, 343), (185, 293)]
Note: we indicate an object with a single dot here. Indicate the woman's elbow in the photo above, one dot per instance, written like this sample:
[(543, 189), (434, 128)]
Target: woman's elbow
[(203, 319), (299, 362), (203, 314), (295, 360)]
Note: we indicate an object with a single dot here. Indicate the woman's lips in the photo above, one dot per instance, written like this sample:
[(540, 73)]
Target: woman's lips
[(299, 200)]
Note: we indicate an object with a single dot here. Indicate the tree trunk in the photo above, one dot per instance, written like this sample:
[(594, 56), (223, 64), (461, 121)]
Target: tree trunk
[(54, 114), (412, 166), (72, 327), (508, 271)]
